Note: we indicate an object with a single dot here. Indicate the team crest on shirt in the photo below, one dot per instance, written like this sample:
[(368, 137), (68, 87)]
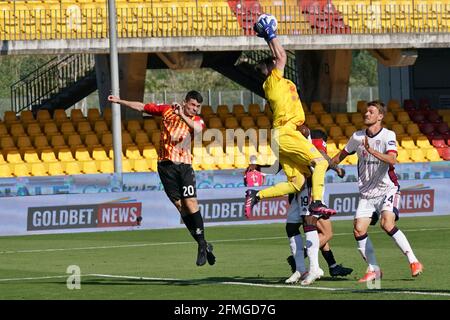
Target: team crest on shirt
[(377, 142)]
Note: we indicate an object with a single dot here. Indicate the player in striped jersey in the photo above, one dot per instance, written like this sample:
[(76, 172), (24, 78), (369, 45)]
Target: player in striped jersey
[(379, 190), (179, 124)]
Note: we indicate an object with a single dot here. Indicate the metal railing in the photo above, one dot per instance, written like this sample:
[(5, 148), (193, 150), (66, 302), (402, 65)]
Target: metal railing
[(50, 79), (147, 20)]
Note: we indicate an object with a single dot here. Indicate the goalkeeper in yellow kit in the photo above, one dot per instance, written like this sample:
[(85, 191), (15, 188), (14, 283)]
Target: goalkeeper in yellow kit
[(296, 154)]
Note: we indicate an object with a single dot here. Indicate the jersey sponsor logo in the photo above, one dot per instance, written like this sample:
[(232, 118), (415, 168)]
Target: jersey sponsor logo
[(417, 201), (83, 216), (391, 143), (233, 209), (344, 203)]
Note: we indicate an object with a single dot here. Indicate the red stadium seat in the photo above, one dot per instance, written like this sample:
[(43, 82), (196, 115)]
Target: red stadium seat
[(445, 153), (417, 116), (438, 143)]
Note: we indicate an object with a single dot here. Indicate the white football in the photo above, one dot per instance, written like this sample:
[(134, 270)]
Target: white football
[(268, 18)]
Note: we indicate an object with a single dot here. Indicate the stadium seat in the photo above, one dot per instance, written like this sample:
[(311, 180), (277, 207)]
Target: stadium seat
[(133, 126), (238, 109), (317, 108), (26, 116), (132, 152), (403, 156), (247, 123), (149, 152), (254, 109), (150, 125), (438, 143), (38, 169), (43, 116), (342, 120), (231, 123), (74, 141), (215, 123), (50, 129), (67, 129), (263, 122), (417, 155), (326, 120), (10, 117), (336, 133), (412, 129), (357, 119), (399, 130), (59, 115), (349, 130), (361, 106), (5, 170), (106, 166), (423, 142), (47, 155), (34, 129), (17, 130), (352, 159), (55, 168), (65, 155), (89, 167), (93, 115), (21, 170), (72, 167), (141, 165), (13, 156), (407, 143), (81, 153), (432, 154), (3, 130), (446, 153), (76, 115), (403, 117), (427, 128), (126, 165), (311, 120)]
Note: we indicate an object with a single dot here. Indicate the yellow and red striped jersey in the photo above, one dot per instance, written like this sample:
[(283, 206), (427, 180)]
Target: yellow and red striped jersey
[(176, 135)]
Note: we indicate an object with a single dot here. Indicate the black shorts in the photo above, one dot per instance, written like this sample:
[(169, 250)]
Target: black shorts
[(178, 180)]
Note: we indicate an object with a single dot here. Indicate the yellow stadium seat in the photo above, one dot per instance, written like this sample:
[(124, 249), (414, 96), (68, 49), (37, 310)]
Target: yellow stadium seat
[(432, 154), (317, 108), (247, 123), (141, 165), (389, 118), (67, 129), (55, 168), (106, 166), (21, 170), (74, 141), (10, 117), (57, 142), (91, 140), (423, 142), (26, 116), (150, 124), (336, 133), (76, 115), (403, 117), (133, 126), (149, 152), (38, 169), (352, 159), (215, 123), (126, 139), (107, 140), (24, 142), (238, 109), (417, 155), (59, 115), (5, 170), (82, 154), (3, 130), (357, 118), (14, 157), (50, 128), (31, 156), (72, 167), (222, 109), (393, 106), (398, 129), (47, 155), (263, 122), (126, 165), (141, 138), (93, 115), (34, 129), (43, 116), (100, 127), (89, 167), (342, 119), (17, 130), (412, 129), (83, 126), (326, 120), (132, 152), (407, 143), (254, 109), (231, 123), (206, 110), (349, 130), (65, 155), (98, 153)]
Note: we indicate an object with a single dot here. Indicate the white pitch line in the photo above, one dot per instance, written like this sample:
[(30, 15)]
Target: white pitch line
[(236, 283), (186, 242)]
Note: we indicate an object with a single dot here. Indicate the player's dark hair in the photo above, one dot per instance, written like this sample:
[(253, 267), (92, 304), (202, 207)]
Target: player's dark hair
[(319, 134), (266, 63), (194, 95)]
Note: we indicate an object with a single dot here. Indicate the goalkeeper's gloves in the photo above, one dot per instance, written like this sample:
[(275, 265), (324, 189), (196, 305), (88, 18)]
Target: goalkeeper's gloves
[(267, 30)]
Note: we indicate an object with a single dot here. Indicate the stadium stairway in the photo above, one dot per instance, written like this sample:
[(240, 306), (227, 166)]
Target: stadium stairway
[(57, 84)]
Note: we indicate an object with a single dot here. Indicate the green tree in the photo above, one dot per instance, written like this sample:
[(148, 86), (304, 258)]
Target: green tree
[(364, 70)]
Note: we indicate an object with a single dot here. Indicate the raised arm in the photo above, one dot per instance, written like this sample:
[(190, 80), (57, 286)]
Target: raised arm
[(278, 53), (136, 105)]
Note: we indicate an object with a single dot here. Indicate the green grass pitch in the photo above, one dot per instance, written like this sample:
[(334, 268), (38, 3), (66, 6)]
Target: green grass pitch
[(251, 264)]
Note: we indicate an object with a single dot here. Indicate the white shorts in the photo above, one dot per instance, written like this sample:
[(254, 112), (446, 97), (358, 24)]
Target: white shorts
[(388, 202), (299, 205)]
